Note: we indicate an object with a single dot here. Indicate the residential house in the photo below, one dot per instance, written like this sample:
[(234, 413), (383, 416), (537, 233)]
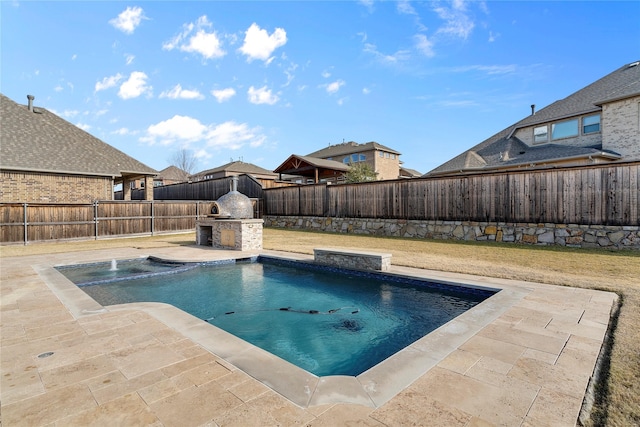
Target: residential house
[(234, 168), (597, 124), (44, 158), (384, 160), (409, 173), (265, 177), (170, 175)]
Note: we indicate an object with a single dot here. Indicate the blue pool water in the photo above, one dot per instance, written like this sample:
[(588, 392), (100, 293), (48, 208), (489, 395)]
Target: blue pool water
[(325, 321)]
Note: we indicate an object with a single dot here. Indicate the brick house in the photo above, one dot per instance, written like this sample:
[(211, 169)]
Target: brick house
[(235, 168), (597, 124), (44, 158), (384, 160), (170, 175)]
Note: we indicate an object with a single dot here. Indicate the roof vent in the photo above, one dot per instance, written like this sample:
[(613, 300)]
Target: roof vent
[(533, 109), (633, 64), (30, 104)]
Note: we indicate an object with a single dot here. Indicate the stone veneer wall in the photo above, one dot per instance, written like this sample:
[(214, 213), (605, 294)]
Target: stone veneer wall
[(572, 235)]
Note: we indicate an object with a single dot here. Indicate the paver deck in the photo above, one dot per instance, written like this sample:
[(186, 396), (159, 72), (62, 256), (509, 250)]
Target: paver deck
[(528, 364)]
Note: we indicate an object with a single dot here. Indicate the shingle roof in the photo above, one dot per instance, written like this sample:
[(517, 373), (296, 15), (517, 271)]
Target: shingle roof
[(240, 167), (40, 141), (173, 173), (411, 172), (620, 84), (349, 148)]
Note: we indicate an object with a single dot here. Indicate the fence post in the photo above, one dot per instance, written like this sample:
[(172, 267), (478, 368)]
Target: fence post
[(25, 223), (95, 219), (152, 216)]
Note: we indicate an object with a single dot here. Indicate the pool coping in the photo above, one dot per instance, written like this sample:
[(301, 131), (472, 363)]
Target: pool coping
[(373, 388)]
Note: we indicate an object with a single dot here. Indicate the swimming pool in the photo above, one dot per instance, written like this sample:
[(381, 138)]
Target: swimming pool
[(325, 320)]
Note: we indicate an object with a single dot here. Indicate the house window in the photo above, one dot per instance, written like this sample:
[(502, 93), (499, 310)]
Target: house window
[(393, 156), (386, 155), (591, 124), (363, 157), (564, 129), (540, 134), (380, 153)]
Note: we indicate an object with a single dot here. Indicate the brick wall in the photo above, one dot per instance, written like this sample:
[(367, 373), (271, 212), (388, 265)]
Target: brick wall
[(53, 188), (387, 168), (621, 127)]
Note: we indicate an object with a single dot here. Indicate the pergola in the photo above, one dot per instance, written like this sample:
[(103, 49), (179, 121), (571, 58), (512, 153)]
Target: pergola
[(312, 167)]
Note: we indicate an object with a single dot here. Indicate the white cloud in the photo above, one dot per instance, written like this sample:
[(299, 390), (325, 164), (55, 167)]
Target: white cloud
[(234, 135), (135, 86), (488, 69), (124, 131), (184, 130), (258, 44), (58, 88), (223, 95), (399, 56), (128, 58), (83, 126), (178, 93), (334, 86), (128, 20), (404, 7), (176, 129), (108, 82), (366, 91), (262, 96), (73, 57), (195, 39), (70, 113), (368, 4), (424, 45), (457, 22)]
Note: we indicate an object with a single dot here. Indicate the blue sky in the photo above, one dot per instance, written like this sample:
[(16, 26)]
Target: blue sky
[(260, 80)]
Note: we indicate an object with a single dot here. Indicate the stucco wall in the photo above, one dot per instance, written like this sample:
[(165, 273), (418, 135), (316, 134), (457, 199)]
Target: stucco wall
[(52, 188), (621, 127)]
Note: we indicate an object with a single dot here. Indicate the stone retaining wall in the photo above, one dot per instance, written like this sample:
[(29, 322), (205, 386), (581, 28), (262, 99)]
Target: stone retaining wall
[(572, 235), (356, 260)]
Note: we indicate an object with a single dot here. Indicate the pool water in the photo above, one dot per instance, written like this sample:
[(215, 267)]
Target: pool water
[(326, 322), (105, 272)]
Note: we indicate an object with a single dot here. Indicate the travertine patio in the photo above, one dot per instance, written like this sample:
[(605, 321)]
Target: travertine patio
[(524, 361)]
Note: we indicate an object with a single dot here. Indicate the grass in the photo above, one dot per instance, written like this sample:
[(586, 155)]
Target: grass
[(617, 396)]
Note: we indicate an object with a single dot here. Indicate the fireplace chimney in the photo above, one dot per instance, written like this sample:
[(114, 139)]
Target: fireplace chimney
[(30, 105)]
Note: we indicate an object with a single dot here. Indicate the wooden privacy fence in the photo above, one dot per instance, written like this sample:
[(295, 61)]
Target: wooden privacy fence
[(32, 222), (603, 195), (211, 189)]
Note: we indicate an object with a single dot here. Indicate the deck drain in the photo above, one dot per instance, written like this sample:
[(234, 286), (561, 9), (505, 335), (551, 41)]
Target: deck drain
[(47, 354)]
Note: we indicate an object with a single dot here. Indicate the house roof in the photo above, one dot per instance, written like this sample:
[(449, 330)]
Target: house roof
[(622, 83), (40, 141), (349, 148), (410, 172), (173, 173), (311, 167), (503, 149), (239, 167)]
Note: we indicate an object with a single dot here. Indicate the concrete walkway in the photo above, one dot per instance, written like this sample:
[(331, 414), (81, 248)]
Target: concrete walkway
[(67, 361)]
